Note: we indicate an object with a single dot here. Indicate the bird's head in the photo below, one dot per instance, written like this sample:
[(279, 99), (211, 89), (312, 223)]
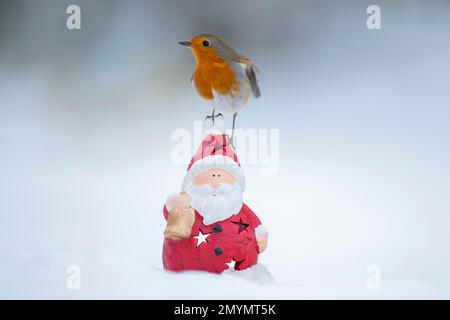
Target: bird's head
[(209, 47)]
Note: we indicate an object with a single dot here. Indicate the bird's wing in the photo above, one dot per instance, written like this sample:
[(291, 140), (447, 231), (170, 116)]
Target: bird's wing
[(228, 53), (250, 72)]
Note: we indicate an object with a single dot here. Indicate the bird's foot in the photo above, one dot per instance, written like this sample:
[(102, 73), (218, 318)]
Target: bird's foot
[(214, 116)]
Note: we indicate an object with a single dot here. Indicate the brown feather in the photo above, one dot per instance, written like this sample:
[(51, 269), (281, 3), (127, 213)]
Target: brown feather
[(250, 72)]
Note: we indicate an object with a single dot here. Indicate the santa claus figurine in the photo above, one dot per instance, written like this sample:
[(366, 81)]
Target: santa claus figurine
[(209, 227)]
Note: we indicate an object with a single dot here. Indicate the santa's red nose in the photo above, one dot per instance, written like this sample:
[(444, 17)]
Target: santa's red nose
[(214, 184)]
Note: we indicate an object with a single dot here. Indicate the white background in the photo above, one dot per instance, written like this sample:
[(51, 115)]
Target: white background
[(86, 118)]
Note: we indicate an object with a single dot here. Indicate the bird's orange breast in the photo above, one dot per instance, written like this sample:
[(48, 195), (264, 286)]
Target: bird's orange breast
[(212, 73)]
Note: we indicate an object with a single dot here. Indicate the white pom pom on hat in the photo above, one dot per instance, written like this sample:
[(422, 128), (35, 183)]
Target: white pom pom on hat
[(218, 127)]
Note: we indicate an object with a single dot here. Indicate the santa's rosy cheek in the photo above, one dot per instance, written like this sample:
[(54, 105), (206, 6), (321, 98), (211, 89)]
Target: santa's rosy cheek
[(227, 177), (201, 178)]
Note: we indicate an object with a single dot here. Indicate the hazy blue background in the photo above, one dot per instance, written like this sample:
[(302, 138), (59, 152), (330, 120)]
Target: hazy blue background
[(86, 118)]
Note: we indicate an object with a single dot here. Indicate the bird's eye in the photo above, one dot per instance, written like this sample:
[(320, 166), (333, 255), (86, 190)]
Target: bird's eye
[(205, 43)]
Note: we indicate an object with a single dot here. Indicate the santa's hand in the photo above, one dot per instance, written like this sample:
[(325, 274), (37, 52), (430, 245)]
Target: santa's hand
[(261, 240), (180, 200)]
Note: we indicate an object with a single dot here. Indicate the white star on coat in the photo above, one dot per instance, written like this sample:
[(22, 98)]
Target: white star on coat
[(231, 264), (201, 237)]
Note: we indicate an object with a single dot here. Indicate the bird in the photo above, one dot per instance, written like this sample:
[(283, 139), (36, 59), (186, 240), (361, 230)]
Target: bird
[(222, 76)]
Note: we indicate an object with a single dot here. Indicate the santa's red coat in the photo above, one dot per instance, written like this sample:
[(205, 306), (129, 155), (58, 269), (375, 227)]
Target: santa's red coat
[(227, 240)]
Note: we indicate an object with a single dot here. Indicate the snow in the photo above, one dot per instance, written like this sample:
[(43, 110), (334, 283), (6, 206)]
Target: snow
[(364, 154)]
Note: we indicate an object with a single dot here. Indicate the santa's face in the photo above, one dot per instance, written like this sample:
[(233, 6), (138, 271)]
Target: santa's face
[(215, 195)]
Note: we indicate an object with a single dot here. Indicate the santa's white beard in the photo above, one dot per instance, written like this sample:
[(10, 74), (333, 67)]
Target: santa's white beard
[(216, 204)]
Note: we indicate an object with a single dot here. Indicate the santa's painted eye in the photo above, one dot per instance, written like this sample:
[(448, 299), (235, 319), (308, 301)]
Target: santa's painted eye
[(218, 175), (214, 175), (205, 43)]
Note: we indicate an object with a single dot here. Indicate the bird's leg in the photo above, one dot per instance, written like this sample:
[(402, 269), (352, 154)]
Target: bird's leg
[(232, 129)]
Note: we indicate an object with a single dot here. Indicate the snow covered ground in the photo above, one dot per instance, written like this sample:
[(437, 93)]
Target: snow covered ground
[(359, 207)]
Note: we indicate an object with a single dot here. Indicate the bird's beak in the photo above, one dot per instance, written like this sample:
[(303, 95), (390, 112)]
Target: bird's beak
[(185, 43)]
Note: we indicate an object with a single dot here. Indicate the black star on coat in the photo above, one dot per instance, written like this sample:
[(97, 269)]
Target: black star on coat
[(242, 226)]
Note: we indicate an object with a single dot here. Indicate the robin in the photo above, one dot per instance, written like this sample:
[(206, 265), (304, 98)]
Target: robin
[(222, 76)]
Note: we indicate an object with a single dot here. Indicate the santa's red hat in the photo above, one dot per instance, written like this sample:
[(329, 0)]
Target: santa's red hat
[(215, 151)]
